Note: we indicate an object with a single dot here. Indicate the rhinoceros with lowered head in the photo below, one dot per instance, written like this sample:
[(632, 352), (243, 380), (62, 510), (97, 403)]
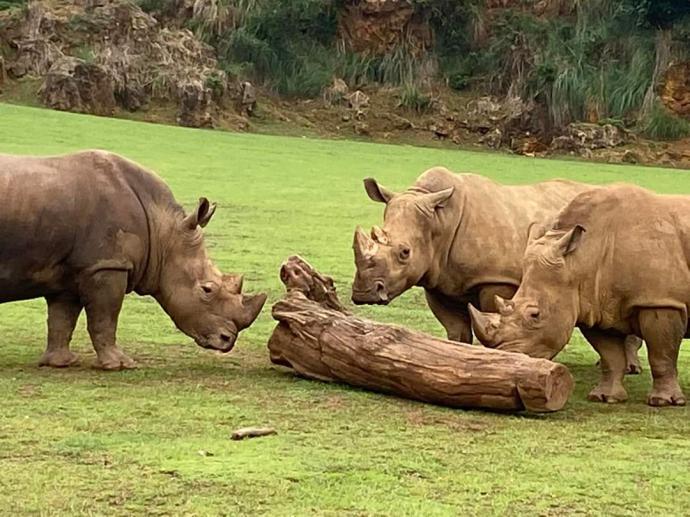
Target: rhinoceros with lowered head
[(84, 229), (459, 236), (615, 262)]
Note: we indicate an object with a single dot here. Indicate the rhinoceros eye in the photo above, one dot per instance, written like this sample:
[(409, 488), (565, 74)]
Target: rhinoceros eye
[(404, 254), (532, 314), (208, 288)]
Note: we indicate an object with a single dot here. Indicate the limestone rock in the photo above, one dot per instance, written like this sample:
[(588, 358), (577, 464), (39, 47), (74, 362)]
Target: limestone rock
[(75, 85)]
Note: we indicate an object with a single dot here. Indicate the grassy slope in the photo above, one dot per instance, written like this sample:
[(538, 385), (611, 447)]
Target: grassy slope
[(156, 439)]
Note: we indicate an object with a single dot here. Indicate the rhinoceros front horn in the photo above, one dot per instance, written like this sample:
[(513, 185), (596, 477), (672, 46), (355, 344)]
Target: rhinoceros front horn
[(484, 325), (251, 308), (361, 245)]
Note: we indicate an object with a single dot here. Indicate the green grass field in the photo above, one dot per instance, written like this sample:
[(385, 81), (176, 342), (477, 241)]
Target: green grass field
[(156, 440)]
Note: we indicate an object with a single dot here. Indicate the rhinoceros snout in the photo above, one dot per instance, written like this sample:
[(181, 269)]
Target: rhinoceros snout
[(222, 342), (377, 295)]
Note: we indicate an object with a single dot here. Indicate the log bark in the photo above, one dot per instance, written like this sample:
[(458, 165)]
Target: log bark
[(320, 340)]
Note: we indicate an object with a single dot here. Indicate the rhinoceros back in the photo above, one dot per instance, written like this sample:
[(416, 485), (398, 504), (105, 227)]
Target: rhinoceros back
[(64, 215), (635, 251), (489, 224)]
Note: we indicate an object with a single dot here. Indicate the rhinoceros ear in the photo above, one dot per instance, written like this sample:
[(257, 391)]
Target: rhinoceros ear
[(571, 240), (201, 215), (377, 192), (536, 231), (438, 199)]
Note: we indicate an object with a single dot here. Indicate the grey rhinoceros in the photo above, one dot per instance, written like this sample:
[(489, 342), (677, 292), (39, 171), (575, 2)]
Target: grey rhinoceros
[(84, 229), (459, 236), (615, 262)]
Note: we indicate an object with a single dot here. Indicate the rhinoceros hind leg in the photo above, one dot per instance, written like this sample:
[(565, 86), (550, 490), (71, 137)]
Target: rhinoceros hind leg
[(103, 294), (663, 331), (63, 313), (632, 347), (613, 363)]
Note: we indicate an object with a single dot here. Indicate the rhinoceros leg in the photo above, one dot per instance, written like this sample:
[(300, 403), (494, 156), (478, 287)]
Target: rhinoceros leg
[(454, 318), (103, 294), (613, 364), (663, 331), (63, 313), (632, 347)]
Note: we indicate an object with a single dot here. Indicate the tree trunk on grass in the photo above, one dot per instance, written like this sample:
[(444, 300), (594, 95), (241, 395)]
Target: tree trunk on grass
[(320, 340)]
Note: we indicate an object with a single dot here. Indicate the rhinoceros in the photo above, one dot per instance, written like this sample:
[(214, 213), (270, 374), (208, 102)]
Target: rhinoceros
[(84, 229), (459, 236), (615, 262)]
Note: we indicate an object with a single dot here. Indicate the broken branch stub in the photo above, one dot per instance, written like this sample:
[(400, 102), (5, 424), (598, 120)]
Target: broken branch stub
[(320, 340)]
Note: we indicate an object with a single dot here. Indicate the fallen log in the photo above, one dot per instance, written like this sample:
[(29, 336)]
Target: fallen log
[(320, 340)]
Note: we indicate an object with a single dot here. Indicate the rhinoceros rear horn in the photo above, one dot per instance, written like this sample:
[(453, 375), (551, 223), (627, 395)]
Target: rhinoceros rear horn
[(233, 283), (251, 308), (377, 192), (201, 215), (504, 307)]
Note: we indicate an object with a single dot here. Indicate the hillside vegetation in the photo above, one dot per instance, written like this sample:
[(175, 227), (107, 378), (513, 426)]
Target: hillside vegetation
[(600, 79), (590, 60)]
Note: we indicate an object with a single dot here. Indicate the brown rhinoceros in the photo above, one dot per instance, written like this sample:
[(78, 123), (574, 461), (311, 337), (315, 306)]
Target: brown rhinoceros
[(615, 262), (82, 230), (459, 236)]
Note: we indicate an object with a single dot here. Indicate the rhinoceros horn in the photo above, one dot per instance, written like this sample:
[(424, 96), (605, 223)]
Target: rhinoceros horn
[(233, 283), (379, 235), (251, 308), (484, 325), (505, 307), (363, 245)]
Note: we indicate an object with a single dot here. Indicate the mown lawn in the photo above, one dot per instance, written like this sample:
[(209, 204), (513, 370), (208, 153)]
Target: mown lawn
[(156, 440)]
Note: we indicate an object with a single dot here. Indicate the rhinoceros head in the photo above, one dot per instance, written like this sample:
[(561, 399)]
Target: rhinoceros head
[(204, 304), (540, 318), (394, 258)]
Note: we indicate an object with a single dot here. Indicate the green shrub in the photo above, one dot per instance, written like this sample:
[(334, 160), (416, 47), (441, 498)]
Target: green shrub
[(9, 4), (412, 98), (661, 124)]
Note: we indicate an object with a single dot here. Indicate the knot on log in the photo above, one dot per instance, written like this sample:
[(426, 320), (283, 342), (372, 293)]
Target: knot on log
[(299, 276)]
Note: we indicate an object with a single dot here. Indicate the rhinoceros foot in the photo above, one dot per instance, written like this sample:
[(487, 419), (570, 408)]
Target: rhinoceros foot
[(61, 358), (660, 398), (610, 394), (112, 358)]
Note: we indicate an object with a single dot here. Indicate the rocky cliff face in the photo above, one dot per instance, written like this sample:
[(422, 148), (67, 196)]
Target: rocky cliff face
[(95, 56), (378, 27)]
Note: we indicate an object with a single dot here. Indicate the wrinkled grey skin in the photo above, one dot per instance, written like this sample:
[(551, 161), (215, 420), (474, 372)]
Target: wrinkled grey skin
[(459, 236), (616, 262), (82, 230)]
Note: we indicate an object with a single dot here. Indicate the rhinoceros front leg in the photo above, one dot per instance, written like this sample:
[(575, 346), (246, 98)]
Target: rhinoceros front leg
[(663, 331), (63, 313), (454, 318), (103, 294), (613, 365)]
